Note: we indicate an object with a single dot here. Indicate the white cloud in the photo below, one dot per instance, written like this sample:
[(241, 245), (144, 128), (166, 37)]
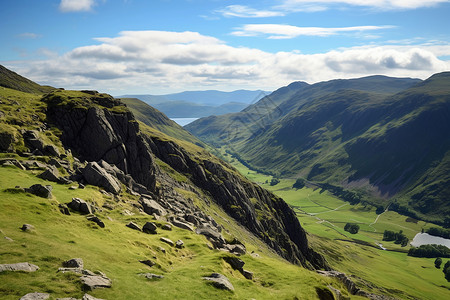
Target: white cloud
[(76, 5), (279, 31), (29, 35), (299, 5), (163, 62), (242, 11)]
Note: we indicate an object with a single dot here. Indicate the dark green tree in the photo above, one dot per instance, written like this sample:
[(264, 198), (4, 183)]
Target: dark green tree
[(446, 266), (447, 275), (352, 228), (438, 262), (299, 183), (274, 181)]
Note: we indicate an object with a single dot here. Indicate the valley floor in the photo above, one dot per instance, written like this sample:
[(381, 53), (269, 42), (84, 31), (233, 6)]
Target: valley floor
[(360, 255)]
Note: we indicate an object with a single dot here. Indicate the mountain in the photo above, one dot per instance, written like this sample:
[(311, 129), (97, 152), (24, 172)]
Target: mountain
[(12, 80), (384, 138), (196, 104), (92, 183)]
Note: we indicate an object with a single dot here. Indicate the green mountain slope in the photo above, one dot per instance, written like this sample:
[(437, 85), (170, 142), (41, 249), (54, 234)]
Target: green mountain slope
[(386, 147), (12, 80)]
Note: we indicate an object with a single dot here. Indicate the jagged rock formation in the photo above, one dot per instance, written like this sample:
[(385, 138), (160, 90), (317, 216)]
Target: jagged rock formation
[(97, 127)]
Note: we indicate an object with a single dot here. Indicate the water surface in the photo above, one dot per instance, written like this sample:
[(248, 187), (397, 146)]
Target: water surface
[(426, 239)]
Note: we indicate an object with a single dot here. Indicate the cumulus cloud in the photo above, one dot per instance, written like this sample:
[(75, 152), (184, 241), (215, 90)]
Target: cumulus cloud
[(279, 31), (162, 62), (76, 5)]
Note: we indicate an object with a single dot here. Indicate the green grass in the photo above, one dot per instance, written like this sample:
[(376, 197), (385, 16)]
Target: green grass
[(390, 272), (116, 251)]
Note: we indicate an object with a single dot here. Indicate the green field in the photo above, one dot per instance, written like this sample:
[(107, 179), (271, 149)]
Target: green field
[(324, 216)]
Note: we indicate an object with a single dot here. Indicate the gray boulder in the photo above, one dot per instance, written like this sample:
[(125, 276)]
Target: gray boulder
[(182, 225), (151, 276), (24, 267), (50, 174), (247, 274), (96, 175), (134, 226), (166, 227), (148, 262), (27, 227), (35, 296), (150, 207), (212, 235), (220, 281), (167, 241), (89, 297), (6, 141), (96, 220), (44, 191), (93, 282), (149, 227), (235, 263), (80, 205), (51, 150), (33, 140), (74, 263), (179, 244)]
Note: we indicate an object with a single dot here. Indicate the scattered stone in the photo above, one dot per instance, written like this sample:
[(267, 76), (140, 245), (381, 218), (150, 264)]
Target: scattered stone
[(238, 249), (70, 270), (126, 212), (182, 225), (9, 239), (215, 237), (27, 227), (80, 205), (89, 297), (50, 174), (166, 227), (74, 263), (152, 207), (255, 255), (35, 296), (64, 209), (96, 220), (6, 141), (247, 274), (179, 244), (25, 267), (151, 276), (235, 263), (167, 241), (67, 298), (149, 227), (162, 249), (92, 282), (73, 187), (220, 281), (51, 150), (40, 190), (134, 226), (148, 262)]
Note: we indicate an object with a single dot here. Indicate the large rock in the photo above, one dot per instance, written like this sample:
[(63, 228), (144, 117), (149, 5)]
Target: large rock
[(235, 263), (24, 267), (27, 228), (167, 241), (50, 174), (150, 207), (89, 297), (213, 235), (6, 141), (74, 263), (33, 140), (80, 205), (149, 227), (182, 225), (134, 226), (93, 282), (44, 191), (220, 281), (96, 175), (35, 296)]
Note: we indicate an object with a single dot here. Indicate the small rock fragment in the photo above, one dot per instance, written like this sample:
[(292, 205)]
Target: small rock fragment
[(27, 227), (25, 267), (74, 263), (167, 241), (134, 226), (179, 244), (149, 227), (148, 262), (220, 281), (35, 296)]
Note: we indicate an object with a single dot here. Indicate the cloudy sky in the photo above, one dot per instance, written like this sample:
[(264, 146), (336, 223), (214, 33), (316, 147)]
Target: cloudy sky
[(164, 46)]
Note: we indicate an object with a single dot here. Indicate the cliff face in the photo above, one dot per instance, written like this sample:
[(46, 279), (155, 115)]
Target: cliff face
[(95, 132), (97, 127)]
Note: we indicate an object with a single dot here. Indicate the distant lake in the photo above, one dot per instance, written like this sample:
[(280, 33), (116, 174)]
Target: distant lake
[(183, 121), (426, 239)]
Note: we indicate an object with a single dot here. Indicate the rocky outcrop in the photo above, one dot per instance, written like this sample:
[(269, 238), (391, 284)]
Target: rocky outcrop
[(24, 267), (219, 281), (96, 175), (35, 296), (44, 191), (261, 212), (94, 132)]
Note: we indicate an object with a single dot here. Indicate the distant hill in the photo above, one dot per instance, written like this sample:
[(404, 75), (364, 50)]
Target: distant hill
[(385, 138), (12, 80), (197, 104), (156, 119)]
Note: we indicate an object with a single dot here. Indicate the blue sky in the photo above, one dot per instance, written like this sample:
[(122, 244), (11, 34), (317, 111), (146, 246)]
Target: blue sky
[(164, 46)]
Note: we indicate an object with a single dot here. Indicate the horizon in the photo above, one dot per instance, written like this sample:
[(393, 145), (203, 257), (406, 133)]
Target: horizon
[(127, 47)]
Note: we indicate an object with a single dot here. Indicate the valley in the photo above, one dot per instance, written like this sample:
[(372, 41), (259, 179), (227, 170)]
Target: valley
[(360, 255)]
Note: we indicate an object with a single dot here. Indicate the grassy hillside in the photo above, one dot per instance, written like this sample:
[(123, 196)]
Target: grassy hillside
[(376, 144), (116, 249), (12, 80)]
